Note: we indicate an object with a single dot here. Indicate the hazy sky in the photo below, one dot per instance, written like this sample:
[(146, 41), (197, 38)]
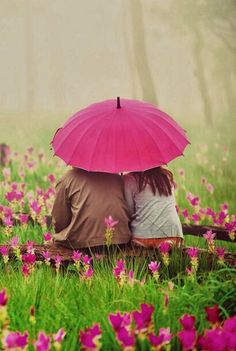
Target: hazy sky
[(58, 56)]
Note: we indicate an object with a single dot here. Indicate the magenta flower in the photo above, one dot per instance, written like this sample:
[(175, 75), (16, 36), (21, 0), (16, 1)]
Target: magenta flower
[(196, 218), (192, 252), (10, 196), (42, 343), (230, 325), (187, 321), (59, 336), (58, 260), (23, 218), (90, 338), (46, 255), (162, 339), (164, 247), (143, 318), (47, 236), (25, 270), (118, 321), (154, 266), (3, 297), (185, 213), (86, 259), (126, 339), (110, 222), (195, 201), (181, 172), (213, 340), (213, 314), (76, 255), (89, 273), (51, 178), (210, 188), (220, 252), (210, 212), (29, 258), (35, 207), (7, 221), (14, 241), (4, 250), (209, 235), (187, 338), (15, 340), (30, 246)]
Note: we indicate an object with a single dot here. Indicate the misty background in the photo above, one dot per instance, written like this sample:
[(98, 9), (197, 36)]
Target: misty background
[(60, 56)]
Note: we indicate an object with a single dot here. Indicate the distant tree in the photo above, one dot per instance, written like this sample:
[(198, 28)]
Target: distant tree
[(140, 52)]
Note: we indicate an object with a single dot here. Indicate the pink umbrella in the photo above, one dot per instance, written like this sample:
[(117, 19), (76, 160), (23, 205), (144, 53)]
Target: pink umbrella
[(117, 136)]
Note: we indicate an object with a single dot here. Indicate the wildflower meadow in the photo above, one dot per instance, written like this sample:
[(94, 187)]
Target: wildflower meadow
[(161, 301)]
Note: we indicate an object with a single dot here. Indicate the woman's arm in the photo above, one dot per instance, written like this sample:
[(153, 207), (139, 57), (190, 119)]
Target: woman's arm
[(61, 212)]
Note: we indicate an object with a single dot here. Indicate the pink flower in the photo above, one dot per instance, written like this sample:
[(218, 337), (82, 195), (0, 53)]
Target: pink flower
[(187, 338), (213, 314), (195, 201), (126, 339), (110, 222), (181, 172), (90, 338), (59, 336), (30, 246), (187, 321), (58, 260), (6, 172), (51, 178), (47, 236), (46, 255), (14, 241), (210, 188), (29, 258), (154, 266), (185, 213), (23, 218), (86, 259), (162, 339), (7, 221), (196, 218), (3, 297), (164, 247), (89, 273), (4, 250), (220, 252), (15, 340), (119, 268), (76, 255), (42, 343), (143, 318), (209, 235), (25, 270), (192, 252), (35, 207), (224, 207), (10, 196), (213, 340), (118, 321)]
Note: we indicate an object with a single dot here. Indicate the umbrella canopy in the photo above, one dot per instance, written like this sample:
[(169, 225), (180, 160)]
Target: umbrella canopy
[(119, 135)]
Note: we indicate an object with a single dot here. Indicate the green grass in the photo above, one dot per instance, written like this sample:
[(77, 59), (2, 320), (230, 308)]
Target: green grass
[(62, 300)]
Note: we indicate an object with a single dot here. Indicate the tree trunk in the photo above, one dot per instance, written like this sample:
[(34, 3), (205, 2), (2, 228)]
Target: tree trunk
[(200, 75), (140, 53)]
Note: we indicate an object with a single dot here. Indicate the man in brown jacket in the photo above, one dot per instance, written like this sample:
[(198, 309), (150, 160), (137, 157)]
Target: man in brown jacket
[(83, 200)]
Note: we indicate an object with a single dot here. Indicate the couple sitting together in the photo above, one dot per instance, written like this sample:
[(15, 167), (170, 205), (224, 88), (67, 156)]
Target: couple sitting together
[(143, 203)]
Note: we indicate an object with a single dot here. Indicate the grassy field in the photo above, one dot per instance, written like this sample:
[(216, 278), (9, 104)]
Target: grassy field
[(66, 299)]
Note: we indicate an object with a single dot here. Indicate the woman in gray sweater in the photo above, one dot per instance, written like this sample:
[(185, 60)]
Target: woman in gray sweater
[(151, 203)]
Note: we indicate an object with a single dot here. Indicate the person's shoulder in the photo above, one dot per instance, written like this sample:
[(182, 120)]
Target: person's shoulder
[(129, 179)]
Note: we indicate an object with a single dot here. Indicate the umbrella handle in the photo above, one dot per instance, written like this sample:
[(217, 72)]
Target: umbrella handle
[(118, 102)]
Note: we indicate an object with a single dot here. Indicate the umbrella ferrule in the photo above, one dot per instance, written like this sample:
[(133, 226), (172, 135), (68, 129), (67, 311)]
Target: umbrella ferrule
[(118, 102)]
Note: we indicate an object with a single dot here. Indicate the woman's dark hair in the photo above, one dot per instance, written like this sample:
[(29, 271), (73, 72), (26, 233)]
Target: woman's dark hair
[(158, 178)]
